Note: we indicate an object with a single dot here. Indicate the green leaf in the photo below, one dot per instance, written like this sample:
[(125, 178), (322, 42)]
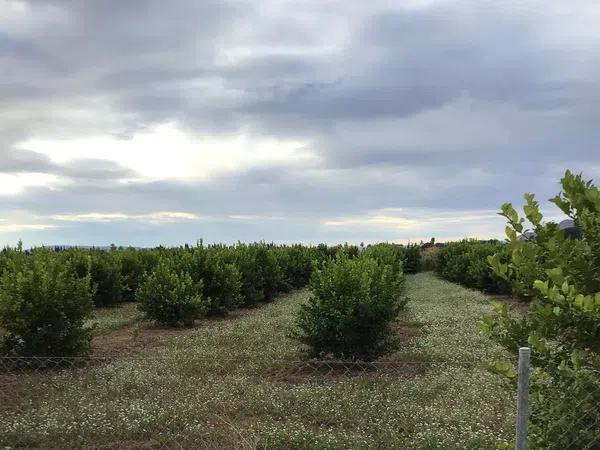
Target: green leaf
[(509, 212), (532, 210), (510, 233), (541, 286), (556, 275), (504, 368), (536, 342), (564, 205)]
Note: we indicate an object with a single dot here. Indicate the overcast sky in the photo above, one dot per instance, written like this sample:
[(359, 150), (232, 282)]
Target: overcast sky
[(161, 122)]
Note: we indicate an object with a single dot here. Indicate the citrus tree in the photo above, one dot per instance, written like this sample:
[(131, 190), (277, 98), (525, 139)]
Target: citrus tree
[(562, 277)]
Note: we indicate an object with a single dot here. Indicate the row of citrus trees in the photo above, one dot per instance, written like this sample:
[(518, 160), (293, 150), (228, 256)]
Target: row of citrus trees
[(466, 262), (560, 276), (46, 296)]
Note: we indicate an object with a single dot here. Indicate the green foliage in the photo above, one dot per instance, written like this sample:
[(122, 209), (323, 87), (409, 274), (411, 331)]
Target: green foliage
[(244, 258), (132, 267), (267, 269), (451, 406), (295, 263), (352, 305), (387, 254), (466, 263), (562, 326), (222, 285), (429, 258), (224, 277), (411, 258), (105, 273), (408, 256), (43, 306), (104, 270), (170, 297)]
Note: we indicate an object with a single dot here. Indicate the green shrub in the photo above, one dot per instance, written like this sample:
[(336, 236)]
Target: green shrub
[(132, 271), (429, 258), (222, 286), (269, 274), (43, 306), (408, 257), (106, 279), (170, 297), (260, 273), (351, 251), (562, 325), (104, 270), (412, 258), (244, 260), (466, 263), (352, 305), (387, 254)]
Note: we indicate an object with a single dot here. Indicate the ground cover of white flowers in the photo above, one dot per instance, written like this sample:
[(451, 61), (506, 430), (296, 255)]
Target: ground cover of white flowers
[(235, 385)]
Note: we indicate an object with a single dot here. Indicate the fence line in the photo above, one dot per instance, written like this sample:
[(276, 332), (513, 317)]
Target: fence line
[(40, 395), (195, 401)]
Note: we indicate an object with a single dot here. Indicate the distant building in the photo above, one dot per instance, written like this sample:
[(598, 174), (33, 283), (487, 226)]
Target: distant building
[(567, 225)]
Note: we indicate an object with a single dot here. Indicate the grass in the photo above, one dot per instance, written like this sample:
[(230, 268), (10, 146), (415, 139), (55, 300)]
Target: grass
[(105, 319), (217, 387)]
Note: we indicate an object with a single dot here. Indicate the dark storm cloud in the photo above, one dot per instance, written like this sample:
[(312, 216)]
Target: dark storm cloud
[(449, 105)]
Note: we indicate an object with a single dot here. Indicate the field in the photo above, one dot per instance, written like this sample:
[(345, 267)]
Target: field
[(242, 382)]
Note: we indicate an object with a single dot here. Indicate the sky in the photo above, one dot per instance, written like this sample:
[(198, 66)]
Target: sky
[(147, 122)]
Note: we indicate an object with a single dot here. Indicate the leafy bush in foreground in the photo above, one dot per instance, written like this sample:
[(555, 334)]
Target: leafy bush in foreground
[(170, 297), (352, 305), (562, 325), (43, 305)]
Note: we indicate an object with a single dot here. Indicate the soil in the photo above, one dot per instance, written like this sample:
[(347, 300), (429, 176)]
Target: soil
[(19, 384), (121, 342), (298, 371), (406, 332)]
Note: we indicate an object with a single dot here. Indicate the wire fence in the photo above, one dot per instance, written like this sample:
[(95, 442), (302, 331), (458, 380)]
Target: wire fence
[(557, 409), (165, 403), (202, 402), (577, 412)]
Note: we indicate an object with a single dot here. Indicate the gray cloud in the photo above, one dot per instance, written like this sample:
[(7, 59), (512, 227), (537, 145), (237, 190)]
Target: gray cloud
[(451, 105), (12, 160)]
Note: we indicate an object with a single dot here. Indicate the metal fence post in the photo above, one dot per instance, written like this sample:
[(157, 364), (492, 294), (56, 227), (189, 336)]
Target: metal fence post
[(523, 398)]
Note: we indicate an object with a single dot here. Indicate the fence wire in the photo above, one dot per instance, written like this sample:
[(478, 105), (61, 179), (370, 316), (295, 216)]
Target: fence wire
[(162, 403), (185, 402), (565, 411)]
